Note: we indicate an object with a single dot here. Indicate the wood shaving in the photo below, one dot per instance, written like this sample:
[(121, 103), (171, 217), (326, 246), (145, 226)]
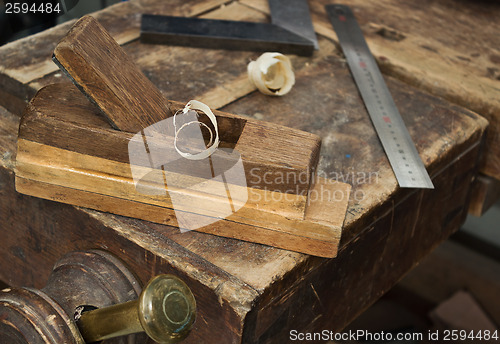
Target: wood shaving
[(272, 74)]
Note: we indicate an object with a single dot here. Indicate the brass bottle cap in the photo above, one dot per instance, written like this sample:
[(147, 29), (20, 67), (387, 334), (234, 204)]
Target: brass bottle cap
[(167, 309)]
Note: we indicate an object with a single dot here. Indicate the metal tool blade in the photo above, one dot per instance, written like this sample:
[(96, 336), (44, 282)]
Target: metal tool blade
[(392, 132), (294, 15), (222, 34)]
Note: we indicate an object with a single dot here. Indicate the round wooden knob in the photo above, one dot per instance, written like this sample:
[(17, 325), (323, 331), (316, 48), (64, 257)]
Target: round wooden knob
[(29, 316), (165, 310)]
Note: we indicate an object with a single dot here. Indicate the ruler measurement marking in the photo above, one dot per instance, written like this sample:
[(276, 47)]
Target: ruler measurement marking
[(400, 150)]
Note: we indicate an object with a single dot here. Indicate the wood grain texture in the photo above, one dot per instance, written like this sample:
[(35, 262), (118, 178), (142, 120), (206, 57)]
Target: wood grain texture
[(127, 98), (366, 268), (195, 78), (109, 77), (448, 48), (253, 293), (381, 226), (485, 192), (152, 59), (349, 142), (294, 152), (306, 236), (122, 20), (248, 293), (78, 164)]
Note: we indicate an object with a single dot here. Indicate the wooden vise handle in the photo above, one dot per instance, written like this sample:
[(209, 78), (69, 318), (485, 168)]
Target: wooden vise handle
[(108, 76)]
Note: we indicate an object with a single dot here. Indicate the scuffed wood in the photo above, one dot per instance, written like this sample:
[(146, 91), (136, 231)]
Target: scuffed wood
[(294, 152), (87, 164), (194, 80), (109, 77), (351, 151), (277, 275), (370, 265), (448, 48), (306, 236), (122, 20), (375, 219), (252, 292), (485, 192)]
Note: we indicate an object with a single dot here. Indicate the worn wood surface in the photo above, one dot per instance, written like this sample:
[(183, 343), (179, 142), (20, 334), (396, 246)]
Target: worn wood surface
[(447, 48), (121, 20), (248, 292), (87, 163), (63, 108), (61, 172), (286, 290), (486, 191), (278, 283), (109, 77), (22, 76), (130, 102), (433, 46)]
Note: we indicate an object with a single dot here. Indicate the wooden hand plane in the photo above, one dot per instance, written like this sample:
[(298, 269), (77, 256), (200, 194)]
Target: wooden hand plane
[(75, 147)]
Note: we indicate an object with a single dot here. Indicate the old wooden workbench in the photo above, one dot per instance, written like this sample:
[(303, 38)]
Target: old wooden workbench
[(247, 292)]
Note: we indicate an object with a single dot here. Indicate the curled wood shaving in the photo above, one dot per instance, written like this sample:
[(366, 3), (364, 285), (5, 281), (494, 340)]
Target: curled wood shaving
[(213, 144), (272, 74)]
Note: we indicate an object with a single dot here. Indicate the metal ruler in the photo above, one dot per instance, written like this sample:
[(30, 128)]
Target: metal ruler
[(396, 140)]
